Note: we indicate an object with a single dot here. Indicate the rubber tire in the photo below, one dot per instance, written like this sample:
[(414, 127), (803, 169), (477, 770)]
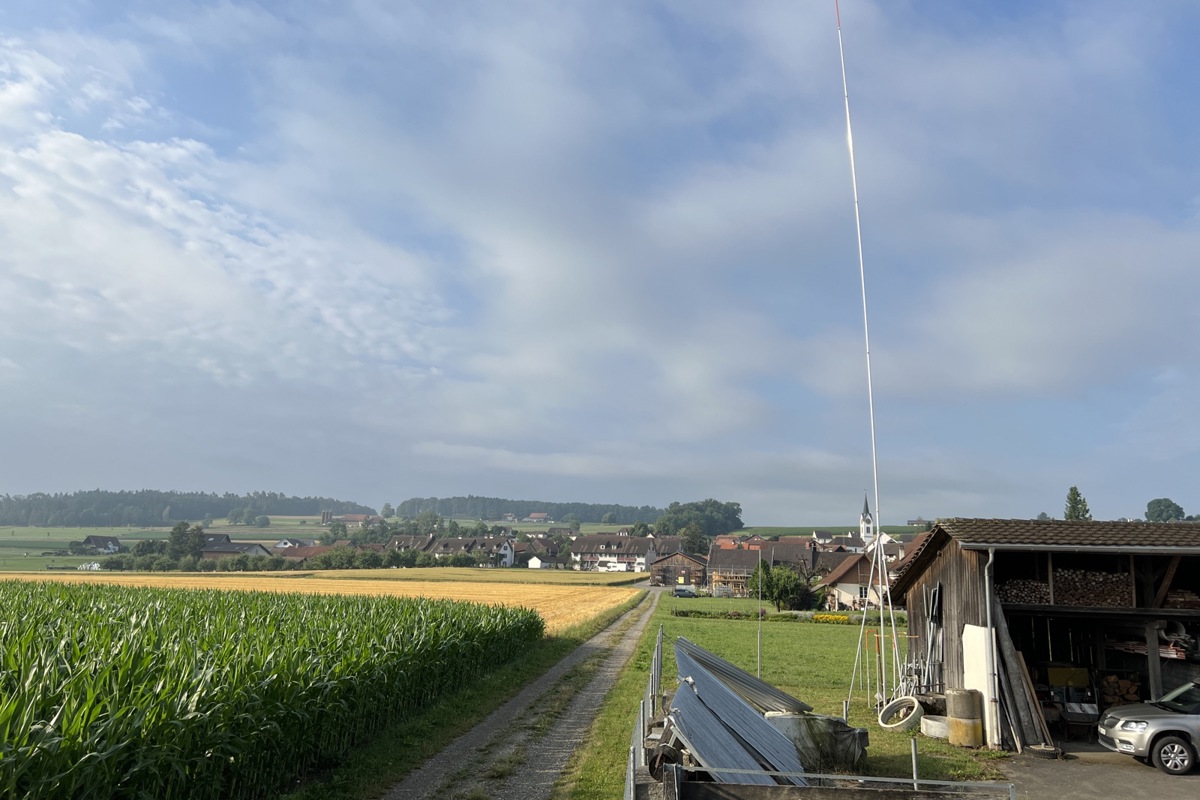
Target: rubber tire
[(1173, 755), (905, 710)]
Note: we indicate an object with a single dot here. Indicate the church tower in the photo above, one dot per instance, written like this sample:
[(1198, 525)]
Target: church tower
[(866, 526)]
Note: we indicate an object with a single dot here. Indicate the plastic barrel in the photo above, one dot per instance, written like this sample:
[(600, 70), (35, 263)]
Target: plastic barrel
[(963, 717)]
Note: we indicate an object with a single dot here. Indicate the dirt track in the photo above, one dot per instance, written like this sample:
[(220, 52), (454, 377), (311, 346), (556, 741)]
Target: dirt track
[(521, 749)]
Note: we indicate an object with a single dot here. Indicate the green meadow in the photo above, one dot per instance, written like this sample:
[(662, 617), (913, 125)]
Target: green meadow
[(811, 661)]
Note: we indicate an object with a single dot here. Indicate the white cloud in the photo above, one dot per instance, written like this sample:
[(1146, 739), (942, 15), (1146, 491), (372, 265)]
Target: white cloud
[(582, 246)]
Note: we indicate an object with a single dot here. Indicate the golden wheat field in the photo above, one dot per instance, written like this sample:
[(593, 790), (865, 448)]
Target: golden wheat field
[(560, 606)]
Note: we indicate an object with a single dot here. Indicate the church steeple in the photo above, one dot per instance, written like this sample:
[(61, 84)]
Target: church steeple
[(866, 525)]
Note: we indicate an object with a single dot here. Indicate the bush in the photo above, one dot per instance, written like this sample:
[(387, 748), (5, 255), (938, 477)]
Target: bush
[(832, 619)]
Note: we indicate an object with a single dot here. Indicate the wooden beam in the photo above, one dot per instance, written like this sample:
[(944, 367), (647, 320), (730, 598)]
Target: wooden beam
[(1153, 661), (1166, 584), (1050, 575)]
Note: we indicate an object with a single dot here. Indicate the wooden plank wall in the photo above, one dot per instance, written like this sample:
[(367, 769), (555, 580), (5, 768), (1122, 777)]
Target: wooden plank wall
[(960, 573)]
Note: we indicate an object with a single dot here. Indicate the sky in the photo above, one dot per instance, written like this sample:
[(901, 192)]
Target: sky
[(604, 252)]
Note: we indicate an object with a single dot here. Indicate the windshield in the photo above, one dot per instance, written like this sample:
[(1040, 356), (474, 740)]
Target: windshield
[(1185, 699)]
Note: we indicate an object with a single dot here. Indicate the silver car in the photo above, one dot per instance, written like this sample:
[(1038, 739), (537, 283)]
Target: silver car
[(1165, 732)]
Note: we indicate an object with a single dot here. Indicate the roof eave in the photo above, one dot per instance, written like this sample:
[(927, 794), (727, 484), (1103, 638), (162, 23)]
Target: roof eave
[(1084, 548)]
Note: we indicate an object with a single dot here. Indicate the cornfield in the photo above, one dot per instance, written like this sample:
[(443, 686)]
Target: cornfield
[(109, 691), (561, 606)]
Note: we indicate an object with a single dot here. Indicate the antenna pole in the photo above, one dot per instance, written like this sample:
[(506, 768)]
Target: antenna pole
[(862, 270), (878, 563)]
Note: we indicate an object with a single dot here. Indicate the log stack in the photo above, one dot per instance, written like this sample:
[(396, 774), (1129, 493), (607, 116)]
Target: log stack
[(1115, 690), (1182, 598), (1081, 587), (1023, 590)]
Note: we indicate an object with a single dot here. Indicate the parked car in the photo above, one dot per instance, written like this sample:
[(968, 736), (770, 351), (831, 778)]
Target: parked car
[(684, 591), (1165, 732)]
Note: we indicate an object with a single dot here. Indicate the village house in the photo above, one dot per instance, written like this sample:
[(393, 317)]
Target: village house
[(299, 555), (494, 551), (854, 583), (232, 549), (284, 544), (548, 561), (103, 544), (610, 553), (419, 543)]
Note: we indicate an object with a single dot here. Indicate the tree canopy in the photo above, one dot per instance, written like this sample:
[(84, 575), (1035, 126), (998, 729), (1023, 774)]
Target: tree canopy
[(783, 586), (1077, 507), (712, 516), (1163, 510)]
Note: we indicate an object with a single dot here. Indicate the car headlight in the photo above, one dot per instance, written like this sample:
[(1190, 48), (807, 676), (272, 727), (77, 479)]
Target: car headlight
[(1134, 725)]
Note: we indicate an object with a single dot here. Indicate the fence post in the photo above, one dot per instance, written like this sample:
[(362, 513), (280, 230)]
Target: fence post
[(916, 777)]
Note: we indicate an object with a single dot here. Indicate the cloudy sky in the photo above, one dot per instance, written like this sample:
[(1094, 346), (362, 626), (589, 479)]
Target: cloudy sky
[(603, 252)]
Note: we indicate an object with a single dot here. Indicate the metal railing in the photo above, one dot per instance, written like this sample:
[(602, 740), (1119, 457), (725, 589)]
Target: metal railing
[(677, 772)]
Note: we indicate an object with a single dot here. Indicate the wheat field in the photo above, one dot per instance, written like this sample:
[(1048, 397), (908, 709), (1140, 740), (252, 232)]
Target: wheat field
[(560, 606)]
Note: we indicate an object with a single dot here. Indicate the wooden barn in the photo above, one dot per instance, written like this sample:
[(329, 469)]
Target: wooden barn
[(679, 569), (1069, 608)]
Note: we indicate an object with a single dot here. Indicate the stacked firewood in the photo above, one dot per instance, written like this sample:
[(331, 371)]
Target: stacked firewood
[(1023, 590), (1115, 690), (1081, 587), (1182, 598)]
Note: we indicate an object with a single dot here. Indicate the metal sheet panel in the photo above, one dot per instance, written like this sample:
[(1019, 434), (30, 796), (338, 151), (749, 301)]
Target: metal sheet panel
[(711, 744), (753, 690), (772, 749)]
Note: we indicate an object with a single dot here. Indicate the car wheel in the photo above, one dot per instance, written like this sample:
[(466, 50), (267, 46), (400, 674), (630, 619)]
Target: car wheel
[(1173, 755)]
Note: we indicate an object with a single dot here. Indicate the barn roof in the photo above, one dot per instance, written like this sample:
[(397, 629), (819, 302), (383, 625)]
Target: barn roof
[(1073, 535), (1052, 535)]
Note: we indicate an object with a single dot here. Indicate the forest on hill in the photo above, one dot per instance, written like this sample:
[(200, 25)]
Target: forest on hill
[(147, 507), (494, 508)]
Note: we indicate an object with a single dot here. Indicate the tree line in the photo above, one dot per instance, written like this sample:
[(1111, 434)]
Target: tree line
[(494, 508), (149, 508)]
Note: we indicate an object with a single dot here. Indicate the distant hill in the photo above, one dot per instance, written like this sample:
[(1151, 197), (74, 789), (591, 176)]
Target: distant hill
[(494, 508), (147, 507)]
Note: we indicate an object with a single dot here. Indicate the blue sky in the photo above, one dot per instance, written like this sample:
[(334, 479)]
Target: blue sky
[(603, 252)]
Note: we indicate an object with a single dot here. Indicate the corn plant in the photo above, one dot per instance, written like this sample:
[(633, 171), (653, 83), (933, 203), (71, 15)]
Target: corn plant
[(110, 691)]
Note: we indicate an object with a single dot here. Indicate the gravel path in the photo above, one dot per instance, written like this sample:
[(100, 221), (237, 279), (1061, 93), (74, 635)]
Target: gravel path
[(521, 749)]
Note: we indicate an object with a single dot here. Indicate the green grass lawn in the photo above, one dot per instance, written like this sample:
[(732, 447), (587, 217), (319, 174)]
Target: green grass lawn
[(810, 661)]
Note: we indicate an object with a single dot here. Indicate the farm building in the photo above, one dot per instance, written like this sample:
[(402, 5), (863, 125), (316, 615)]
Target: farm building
[(1078, 605), (678, 569), (103, 544), (729, 570), (230, 549)]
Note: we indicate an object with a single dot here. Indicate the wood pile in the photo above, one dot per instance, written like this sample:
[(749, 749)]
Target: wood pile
[(1081, 587), (1182, 598), (1165, 649), (1115, 690), (1022, 590)]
